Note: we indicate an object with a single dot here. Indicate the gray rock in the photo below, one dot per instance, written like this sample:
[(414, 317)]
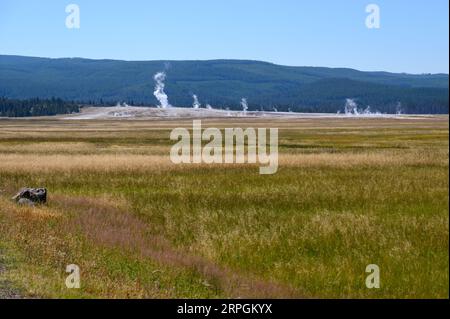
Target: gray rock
[(33, 195), (25, 202)]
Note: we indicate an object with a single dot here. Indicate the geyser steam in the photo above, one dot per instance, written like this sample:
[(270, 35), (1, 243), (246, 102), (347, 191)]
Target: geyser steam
[(244, 105), (399, 108), (351, 108), (159, 93), (196, 103)]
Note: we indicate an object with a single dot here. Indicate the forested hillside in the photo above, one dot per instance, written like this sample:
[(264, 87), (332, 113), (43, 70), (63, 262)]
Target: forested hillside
[(221, 83), (36, 107)]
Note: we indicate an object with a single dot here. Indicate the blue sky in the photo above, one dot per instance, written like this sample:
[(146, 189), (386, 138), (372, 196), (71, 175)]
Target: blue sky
[(413, 34)]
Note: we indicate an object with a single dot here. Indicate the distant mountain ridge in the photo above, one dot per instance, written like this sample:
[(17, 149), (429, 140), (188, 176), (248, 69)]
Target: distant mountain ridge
[(221, 83)]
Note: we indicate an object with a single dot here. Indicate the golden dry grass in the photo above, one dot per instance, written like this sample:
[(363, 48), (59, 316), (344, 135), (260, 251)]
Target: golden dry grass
[(348, 192), (22, 162)]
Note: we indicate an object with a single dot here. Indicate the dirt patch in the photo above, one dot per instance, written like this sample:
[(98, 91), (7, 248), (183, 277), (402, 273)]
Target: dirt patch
[(111, 226)]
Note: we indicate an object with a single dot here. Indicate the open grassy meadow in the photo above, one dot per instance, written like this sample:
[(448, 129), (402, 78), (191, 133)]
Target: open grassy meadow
[(348, 193)]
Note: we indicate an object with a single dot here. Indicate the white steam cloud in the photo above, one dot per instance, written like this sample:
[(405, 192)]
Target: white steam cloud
[(244, 105), (196, 103), (159, 93), (399, 108), (124, 104), (351, 108)]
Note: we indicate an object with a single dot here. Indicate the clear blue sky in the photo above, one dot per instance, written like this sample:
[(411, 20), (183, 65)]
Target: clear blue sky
[(413, 36)]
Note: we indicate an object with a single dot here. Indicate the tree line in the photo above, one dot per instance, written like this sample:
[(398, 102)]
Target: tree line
[(36, 107)]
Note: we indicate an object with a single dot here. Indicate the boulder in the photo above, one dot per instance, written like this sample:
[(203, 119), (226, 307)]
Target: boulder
[(25, 202), (31, 196)]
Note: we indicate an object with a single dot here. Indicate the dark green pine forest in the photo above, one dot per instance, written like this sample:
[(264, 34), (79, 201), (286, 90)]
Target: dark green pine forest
[(36, 107)]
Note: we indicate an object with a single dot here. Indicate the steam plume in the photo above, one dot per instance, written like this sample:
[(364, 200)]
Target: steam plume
[(351, 108), (196, 103), (244, 105), (399, 108), (159, 93)]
